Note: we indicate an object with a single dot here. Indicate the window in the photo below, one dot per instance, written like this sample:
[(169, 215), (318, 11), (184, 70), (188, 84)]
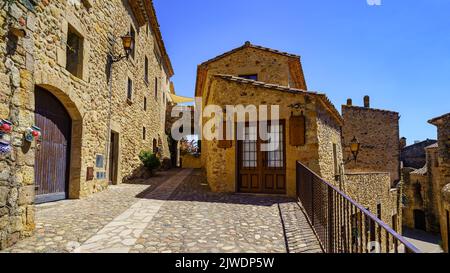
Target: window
[(155, 146), (145, 103), (156, 88), (250, 77), (335, 162), (130, 89), (146, 70), (144, 133), (133, 45), (74, 52)]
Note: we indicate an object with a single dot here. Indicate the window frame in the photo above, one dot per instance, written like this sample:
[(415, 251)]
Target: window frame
[(129, 90), (80, 56)]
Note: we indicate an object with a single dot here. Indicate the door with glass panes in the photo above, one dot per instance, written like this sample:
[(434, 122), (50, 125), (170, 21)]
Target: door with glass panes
[(262, 162)]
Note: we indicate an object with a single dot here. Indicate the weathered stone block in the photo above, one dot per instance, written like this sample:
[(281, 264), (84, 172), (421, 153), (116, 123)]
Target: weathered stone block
[(4, 191), (26, 195)]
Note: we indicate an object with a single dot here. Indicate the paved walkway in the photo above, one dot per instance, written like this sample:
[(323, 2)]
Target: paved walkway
[(171, 213), (424, 241)]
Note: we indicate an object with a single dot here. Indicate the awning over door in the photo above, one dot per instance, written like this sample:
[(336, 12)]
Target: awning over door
[(180, 99)]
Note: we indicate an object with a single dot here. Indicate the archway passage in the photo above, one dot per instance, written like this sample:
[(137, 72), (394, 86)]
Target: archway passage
[(53, 152)]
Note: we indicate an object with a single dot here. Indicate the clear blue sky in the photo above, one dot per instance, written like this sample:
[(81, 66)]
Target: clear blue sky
[(398, 53)]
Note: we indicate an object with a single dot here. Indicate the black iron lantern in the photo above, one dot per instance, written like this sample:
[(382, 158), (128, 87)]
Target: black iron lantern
[(355, 147), (127, 42)]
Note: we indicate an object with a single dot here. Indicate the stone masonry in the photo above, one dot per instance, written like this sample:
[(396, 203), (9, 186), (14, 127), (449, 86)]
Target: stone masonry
[(378, 133), (442, 180), (39, 59), (280, 82)]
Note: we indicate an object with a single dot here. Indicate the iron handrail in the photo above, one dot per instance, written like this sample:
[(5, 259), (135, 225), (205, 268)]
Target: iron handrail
[(410, 247)]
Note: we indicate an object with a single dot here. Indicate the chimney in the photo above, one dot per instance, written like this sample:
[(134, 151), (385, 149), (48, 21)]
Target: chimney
[(367, 102), (403, 142), (349, 102)]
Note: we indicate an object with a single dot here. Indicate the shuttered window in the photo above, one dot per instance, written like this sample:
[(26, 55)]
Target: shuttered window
[(297, 128), (225, 143)]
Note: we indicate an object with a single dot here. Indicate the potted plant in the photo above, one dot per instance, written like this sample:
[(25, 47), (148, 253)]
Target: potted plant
[(150, 161)]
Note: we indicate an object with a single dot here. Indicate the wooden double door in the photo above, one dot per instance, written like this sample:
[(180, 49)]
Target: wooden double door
[(53, 151), (262, 163)]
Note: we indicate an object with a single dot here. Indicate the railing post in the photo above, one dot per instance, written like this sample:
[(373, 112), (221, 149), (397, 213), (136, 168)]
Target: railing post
[(330, 221), (348, 227)]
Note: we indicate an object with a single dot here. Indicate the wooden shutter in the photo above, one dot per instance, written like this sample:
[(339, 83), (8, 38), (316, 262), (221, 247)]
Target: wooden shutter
[(297, 128), (225, 144)]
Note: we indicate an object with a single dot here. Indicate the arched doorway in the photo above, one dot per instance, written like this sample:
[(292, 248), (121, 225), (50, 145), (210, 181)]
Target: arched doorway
[(53, 152), (419, 220)]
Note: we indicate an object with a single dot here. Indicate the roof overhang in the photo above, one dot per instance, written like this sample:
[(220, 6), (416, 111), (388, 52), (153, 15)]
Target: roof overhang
[(145, 12)]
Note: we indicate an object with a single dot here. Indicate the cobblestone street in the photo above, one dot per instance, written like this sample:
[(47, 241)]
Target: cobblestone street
[(171, 213)]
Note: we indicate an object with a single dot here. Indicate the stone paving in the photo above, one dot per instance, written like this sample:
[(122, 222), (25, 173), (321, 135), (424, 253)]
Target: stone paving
[(171, 213)]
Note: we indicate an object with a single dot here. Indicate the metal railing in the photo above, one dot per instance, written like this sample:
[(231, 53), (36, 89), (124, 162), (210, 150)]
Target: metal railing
[(341, 224)]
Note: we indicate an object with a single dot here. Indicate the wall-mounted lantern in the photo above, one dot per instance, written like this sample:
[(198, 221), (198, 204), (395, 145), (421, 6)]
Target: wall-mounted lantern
[(127, 43), (355, 147), (5, 126), (33, 133)]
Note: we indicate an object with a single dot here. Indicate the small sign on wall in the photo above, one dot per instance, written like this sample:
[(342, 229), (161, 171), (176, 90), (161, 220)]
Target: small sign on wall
[(101, 175)]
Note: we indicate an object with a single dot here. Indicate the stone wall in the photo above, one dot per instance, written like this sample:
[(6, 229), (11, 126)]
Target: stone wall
[(39, 59), (418, 192), (374, 189), (445, 218), (413, 156), (190, 162), (16, 105), (442, 179), (221, 165), (378, 133)]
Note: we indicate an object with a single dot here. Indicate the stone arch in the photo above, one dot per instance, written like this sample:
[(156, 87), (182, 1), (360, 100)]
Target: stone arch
[(73, 110)]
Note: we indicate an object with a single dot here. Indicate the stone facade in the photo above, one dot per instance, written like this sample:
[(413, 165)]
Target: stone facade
[(218, 84), (442, 181), (191, 162), (422, 194), (373, 191), (413, 156), (378, 133), (40, 60), (445, 219)]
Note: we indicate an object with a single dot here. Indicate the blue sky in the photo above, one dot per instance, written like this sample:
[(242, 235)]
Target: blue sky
[(398, 53)]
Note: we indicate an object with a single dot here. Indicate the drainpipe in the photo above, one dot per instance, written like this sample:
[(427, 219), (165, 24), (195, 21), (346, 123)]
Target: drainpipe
[(108, 132)]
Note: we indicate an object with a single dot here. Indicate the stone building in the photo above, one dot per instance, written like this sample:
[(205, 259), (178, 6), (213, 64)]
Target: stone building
[(413, 156), (442, 181), (95, 116), (378, 132), (254, 75), (374, 177), (420, 190)]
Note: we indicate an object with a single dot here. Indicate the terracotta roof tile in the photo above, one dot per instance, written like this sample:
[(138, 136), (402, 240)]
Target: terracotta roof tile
[(371, 109), (249, 45), (435, 120), (323, 98), (435, 145), (421, 171)]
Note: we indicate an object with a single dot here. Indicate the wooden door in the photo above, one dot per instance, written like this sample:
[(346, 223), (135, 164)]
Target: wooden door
[(262, 164), (52, 154)]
